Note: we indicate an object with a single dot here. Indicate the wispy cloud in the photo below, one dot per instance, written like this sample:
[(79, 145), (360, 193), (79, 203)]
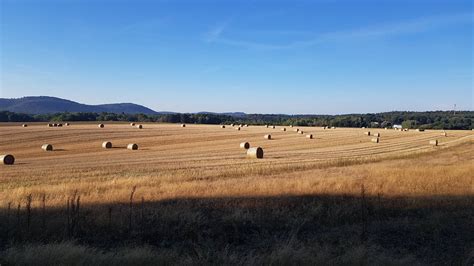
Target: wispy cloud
[(422, 24), (215, 33)]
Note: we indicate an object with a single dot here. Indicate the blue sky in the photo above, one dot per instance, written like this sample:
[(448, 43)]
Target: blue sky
[(312, 57)]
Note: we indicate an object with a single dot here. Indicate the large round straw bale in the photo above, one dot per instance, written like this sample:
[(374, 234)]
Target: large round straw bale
[(132, 124), (301, 132), (60, 125), (367, 133), (132, 146), (55, 125), (140, 126), (333, 127), (296, 129), (420, 129), (245, 145), (241, 125), (266, 126), (50, 125), (445, 134), (267, 136), (283, 129), (291, 125), (24, 125), (255, 153), (377, 135), (7, 159), (107, 145), (309, 136), (66, 124), (101, 125), (273, 127), (232, 125), (222, 126), (434, 142), (246, 125), (47, 147), (376, 140), (183, 125), (237, 128)]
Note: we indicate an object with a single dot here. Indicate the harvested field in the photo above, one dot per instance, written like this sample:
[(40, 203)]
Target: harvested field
[(201, 177)]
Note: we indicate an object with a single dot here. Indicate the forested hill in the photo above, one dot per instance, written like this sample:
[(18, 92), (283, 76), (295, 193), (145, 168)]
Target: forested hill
[(51, 105), (427, 120)]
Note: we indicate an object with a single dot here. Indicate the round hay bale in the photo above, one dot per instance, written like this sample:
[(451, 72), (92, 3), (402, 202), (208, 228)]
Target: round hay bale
[(24, 125), (183, 125), (375, 140), (367, 133), (101, 125), (246, 125), (60, 125), (420, 130), (267, 136), (132, 124), (434, 142), (296, 129), (255, 153), (66, 124), (273, 127), (266, 126), (333, 127), (445, 134), (283, 129), (55, 125), (245, 145), (50, 125), (140, 126), (309, 136), (7, 159), (232, 125), (107, 145), (237, 128), (241, 125), (222, 126), (291, 125), (132, 146), (377, 135), (47, 147), (301, 132)]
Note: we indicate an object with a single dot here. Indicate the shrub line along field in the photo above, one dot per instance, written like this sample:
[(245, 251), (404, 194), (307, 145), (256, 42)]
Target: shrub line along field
[(187, 191)]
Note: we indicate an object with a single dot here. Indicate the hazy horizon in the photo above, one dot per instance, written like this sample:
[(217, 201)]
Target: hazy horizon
[(321, 57)]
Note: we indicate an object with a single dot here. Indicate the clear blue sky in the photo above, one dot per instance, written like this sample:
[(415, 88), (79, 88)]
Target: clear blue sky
[(253, 56)]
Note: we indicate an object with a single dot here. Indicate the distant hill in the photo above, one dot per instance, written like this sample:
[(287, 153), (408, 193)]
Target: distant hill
[(49, 105)]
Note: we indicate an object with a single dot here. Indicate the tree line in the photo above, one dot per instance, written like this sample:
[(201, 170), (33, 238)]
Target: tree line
[(425, 120)]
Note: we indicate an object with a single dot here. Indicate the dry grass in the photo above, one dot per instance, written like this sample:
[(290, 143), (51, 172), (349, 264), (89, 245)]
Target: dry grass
[(200, 177)]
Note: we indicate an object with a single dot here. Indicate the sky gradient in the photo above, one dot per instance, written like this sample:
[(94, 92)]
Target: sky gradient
[(295, 57)]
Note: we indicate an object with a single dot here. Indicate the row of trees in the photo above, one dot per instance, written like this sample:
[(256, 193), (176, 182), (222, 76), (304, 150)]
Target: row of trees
[(426, 120)]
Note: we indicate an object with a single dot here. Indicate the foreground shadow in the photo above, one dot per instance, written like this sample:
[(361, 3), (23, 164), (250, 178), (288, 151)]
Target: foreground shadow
[(434, 230)]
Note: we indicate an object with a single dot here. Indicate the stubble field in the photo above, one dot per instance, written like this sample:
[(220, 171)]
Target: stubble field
[(191, 196)]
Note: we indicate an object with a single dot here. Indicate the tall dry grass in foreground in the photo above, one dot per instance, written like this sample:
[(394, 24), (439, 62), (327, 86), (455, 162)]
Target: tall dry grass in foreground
[(400, 208)]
